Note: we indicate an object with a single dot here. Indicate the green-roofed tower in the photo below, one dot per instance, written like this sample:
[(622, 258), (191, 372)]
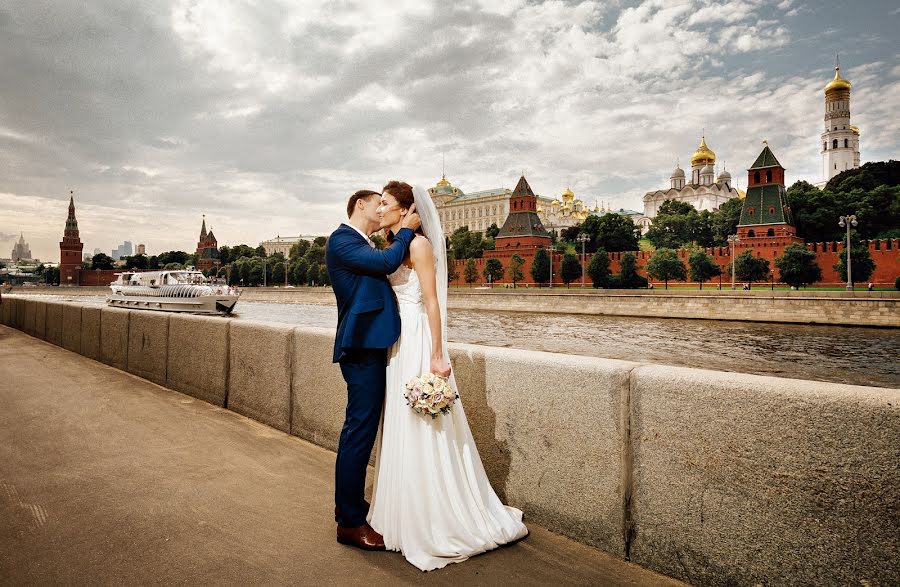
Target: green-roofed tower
[(766, 213)]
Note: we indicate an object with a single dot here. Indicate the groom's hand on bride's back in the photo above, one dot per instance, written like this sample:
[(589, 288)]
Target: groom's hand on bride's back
[(411, 220)]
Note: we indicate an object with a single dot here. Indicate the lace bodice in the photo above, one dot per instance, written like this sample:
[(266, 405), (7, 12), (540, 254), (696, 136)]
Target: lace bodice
[(405, 282)]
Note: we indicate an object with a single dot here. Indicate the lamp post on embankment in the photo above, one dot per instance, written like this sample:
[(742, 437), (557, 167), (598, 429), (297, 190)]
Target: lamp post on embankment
[(582, 238), (732, 238), (847, 221)]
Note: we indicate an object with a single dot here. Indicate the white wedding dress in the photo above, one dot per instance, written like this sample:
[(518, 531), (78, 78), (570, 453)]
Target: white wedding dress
[(432, 500)]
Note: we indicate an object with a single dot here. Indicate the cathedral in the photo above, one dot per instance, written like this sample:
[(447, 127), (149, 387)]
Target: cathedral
[(705, 191), (207, 249), (840, 141)]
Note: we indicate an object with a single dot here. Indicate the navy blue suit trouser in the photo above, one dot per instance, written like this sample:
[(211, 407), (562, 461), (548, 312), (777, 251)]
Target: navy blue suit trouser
[(364, 372)]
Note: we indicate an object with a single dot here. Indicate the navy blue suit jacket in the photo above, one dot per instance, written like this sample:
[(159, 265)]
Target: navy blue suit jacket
[(368, 317)]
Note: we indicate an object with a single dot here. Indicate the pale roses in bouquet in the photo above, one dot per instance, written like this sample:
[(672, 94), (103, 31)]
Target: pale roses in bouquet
[(430, 395)]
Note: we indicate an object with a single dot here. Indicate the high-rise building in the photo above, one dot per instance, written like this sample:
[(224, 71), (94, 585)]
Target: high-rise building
[(70, 248), (141, 250), (21, 251), (840, 141)]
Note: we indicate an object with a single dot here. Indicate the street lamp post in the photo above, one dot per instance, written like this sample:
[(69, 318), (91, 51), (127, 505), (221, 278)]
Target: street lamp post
[(732, 238), (848, 221), (582, 238), (772, 275), (285, 273), (265, 269), (552, 249)]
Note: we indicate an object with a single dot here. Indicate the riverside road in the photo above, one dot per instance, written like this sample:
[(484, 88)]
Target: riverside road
[(106, 478)]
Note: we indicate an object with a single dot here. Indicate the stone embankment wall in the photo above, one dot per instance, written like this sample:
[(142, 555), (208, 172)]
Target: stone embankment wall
[(714, 478)]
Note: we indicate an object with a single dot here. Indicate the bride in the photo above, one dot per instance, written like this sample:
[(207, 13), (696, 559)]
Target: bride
[(432, 500)]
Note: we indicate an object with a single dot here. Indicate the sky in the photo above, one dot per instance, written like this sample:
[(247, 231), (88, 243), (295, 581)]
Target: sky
[(266, 116)]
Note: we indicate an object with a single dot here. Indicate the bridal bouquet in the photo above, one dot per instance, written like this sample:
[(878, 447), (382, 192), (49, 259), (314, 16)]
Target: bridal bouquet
[(430, 395)]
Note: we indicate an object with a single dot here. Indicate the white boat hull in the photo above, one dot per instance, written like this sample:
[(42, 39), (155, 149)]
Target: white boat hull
[(211, 304)]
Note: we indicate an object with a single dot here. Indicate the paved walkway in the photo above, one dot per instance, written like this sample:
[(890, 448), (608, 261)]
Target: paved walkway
[(108, 479)]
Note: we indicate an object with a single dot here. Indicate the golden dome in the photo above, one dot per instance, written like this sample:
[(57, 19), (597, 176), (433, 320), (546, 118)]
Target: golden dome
[(703, 155), (540, 210), (838, 83), (741, 193), (443, 182), (567, 195)]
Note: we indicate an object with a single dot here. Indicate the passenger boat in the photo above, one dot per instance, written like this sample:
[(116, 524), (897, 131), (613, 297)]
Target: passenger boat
[(176, 290)]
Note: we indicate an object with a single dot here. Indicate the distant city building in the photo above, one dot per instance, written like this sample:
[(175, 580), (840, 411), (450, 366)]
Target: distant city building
[(123, 250), (479, 210), (70, 248), (704, 192), (207, 249), (840, 141), (283, 244), (87, 257), (21, 251), (141, 250)]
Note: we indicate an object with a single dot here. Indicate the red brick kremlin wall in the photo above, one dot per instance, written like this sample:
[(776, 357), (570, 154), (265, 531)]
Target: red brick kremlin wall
[(885, 254)]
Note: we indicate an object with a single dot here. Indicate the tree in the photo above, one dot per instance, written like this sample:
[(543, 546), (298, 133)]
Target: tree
[(179, 257), (665, 265), (678, 223), (724, 221), (628, 275), (797, 266), (173, 266), (514, 269), (598, 269), (540, 266), (615, 233), (320, 240), (749, 268), (379, 241), (452, 273), (324, 277), (153, 263), (492, 231), (102, 261), (470, 272), (312, 274), (315, 255), (299, 270), (466, 244), (571, 268), (278, 272), (861, 264), (51, 275), (703, 267), (493, 270), (298, 249), (137, 262)]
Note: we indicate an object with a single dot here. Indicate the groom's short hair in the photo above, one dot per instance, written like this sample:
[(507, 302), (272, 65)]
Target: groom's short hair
[(360, 195)]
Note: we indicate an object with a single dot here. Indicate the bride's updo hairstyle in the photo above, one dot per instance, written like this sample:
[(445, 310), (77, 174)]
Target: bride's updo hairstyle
[(403, 193)]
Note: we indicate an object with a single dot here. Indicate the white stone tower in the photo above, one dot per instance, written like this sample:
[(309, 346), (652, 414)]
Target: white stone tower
[(840, 141)]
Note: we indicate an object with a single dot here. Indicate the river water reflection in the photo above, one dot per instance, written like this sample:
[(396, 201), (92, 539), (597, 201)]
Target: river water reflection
[(859, 356)]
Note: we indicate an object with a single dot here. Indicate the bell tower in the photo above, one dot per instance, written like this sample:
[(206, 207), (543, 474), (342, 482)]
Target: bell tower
[(840, 141)]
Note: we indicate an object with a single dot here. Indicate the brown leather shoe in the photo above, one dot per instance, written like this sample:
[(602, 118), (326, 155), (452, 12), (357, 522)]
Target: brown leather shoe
[(337, 510), (363, 537)]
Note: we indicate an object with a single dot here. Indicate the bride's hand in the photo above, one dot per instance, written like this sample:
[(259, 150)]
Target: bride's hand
[(440, 367)]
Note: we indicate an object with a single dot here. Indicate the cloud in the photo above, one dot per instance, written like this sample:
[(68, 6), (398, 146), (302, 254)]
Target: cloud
[(266, 116)]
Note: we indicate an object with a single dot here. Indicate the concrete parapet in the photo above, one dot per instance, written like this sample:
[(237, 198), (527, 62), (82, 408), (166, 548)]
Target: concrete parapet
[(148, 345), (6, 311), (259, 385), (743, 479), (90, 332), (550, 431), (198, 357), (318, 388), (71, 327), (40, 319), (29, 311), (17, 312), (53, 333), (114, 337)]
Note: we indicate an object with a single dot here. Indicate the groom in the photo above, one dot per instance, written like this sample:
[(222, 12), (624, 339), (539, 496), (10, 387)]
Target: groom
[(368, 323)]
